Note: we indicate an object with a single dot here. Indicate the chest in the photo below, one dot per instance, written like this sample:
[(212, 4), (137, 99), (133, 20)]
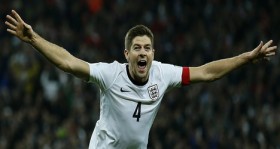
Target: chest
[(152, 91)]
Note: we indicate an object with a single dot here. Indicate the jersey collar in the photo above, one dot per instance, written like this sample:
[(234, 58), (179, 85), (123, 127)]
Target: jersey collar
[(134, 81)]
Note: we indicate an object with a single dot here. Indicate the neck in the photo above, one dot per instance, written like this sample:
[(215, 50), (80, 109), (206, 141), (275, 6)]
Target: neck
[(135, 80)]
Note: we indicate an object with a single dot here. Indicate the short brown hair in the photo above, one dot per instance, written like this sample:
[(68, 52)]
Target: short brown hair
[(138, 30)]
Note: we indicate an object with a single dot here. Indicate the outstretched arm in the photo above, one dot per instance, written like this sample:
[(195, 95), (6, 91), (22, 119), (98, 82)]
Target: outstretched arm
[(60, 57), (217, 69)]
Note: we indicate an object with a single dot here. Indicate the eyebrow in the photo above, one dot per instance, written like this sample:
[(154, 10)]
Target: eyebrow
[(134, 45)]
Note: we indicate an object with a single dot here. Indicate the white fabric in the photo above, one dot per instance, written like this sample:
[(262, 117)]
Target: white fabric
[(116, 127)]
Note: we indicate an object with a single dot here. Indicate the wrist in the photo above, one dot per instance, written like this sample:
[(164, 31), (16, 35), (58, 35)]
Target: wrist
[(33, 39), (247, 57)]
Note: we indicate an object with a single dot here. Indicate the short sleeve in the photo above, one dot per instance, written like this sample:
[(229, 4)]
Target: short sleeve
[(175, 76), (103, 74)]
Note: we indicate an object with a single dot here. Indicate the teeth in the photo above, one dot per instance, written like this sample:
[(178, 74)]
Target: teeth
[(142, 62), (141, 67)]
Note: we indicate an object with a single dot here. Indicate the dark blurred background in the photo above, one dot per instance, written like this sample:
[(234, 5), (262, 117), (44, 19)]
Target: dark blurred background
[(43, 107)]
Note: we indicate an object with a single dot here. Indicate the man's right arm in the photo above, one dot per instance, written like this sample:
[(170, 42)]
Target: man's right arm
[(61, 58), (54, 53)]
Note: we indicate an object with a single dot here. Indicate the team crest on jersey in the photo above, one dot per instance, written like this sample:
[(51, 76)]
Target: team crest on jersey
[(153, 92)]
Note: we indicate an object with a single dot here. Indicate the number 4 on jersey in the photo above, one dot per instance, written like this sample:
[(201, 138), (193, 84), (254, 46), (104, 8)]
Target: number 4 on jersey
[(137, 112)]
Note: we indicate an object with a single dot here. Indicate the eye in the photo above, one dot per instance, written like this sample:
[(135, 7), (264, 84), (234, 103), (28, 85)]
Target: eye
[(137, 48), (148, 48)]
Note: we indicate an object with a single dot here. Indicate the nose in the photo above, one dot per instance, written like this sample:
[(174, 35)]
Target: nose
[(142, 52)]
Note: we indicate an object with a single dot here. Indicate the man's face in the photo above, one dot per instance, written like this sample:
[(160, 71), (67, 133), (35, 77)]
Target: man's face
[(140, 57)]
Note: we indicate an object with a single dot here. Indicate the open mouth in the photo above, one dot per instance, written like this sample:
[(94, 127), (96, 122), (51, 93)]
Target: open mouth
[(142, 64)]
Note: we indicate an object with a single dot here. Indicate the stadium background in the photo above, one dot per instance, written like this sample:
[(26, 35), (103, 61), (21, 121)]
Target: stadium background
[(43, 107)]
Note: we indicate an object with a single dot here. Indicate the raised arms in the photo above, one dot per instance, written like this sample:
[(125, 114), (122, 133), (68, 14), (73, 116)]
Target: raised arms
[(60, 57), (217, 69)]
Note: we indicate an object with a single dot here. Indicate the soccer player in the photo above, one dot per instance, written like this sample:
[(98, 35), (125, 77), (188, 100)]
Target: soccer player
[(131, 92)]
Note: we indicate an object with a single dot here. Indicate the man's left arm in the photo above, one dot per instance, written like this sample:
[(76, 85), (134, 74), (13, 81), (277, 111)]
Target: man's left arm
[(214, 70)]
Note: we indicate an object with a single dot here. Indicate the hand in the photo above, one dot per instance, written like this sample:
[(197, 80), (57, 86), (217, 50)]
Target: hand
[(263, 52), (18, 27)]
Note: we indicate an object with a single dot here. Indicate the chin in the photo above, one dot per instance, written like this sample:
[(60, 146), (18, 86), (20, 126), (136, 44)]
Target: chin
[(142, 75)]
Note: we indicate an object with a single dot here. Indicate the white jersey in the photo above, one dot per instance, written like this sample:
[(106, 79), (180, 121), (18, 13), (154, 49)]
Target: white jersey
[(128, 109)]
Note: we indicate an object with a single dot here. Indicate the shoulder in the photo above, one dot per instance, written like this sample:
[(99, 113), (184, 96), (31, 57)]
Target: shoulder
[(156, 64), (106, 69), (104, 74), (106, 63), (169, 73), (112, 65), (163, 66)]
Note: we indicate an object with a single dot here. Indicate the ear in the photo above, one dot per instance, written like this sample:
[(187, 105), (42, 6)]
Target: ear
[(154, 53), (125, 52)]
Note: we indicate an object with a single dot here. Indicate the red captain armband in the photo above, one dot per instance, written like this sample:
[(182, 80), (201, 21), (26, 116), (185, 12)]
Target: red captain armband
[(186, 76)]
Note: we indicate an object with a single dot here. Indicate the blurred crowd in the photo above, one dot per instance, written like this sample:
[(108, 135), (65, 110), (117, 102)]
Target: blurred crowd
[(43, 107)]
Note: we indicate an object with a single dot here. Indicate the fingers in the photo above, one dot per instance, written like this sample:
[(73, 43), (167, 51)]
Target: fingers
[(267, 48), (14, 19), (266, 45), (264, 51), (11, 26), (270, 49), (270, 54), (260, 45), (11, 20), (16, 15), (12, 31), (11, 23)]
